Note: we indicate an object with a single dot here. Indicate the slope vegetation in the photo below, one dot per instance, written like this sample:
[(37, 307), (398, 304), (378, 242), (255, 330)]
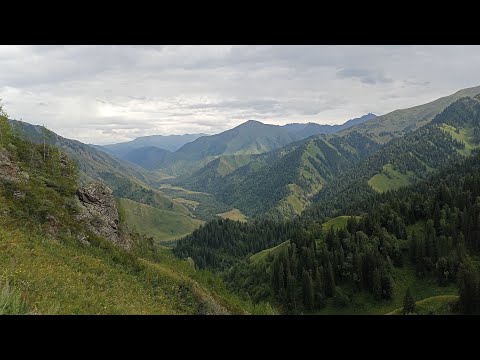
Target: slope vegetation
[(52, 263), (160, 224)]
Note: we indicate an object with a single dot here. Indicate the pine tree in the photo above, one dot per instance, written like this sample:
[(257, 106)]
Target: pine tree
[(408, 303), (308, 295), (377, 284)]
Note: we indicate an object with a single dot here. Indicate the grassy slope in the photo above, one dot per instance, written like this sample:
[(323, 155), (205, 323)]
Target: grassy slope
[(435, 305), (262, 254), (234, 214), (69, 278), (160, 224), (337, 223), (364, 303), (463, 135), (390, 179)]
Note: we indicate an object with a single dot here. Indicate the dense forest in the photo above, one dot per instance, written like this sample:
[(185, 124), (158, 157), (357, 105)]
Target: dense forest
[(433, 225), (421, 152), (445, 208)]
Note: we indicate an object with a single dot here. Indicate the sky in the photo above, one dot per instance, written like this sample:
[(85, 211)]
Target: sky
[(108, 94)]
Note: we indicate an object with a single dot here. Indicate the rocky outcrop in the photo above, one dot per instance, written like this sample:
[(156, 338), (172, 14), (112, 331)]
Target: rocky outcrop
[(8, 170), (98, 211)]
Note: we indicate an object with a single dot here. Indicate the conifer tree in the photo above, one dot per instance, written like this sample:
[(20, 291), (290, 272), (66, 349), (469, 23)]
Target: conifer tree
[(408, 303)]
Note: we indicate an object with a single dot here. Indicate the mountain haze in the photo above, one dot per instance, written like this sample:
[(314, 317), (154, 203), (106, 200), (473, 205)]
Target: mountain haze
[(250, 138), (167, 142)]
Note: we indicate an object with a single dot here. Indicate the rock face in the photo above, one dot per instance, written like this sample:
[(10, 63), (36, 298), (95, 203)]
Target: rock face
[(98, 211), (8, 170)]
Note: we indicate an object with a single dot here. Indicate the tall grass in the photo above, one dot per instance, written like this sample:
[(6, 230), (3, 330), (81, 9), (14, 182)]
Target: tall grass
[(11, 302)]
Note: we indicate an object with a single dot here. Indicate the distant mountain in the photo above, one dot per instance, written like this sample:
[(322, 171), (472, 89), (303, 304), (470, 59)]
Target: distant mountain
[(340, 167), (306, 130), (167, 142), (282, 181), (400, 122), (148, 157), (251, 137)]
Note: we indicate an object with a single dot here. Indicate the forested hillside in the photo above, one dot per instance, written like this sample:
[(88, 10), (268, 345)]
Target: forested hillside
[(430, 227), (410, 159), (281, 182)]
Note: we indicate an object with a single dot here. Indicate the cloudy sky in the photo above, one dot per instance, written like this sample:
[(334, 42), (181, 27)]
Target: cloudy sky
[(107, 94)]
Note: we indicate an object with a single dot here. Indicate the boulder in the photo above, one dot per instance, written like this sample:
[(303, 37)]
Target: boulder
[(8, 170), (98, 211)]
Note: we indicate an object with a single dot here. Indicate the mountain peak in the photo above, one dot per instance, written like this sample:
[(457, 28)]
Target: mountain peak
[(252, 122)]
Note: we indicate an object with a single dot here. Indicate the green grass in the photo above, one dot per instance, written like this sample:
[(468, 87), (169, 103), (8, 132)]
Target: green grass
[(274, 250), (363, 303), (292, 204), (65, 277), (338, 223), (418, 228), (162, 225), (390, 179), (463, 135), (234, 214), (435, 305), (187, 202), (11, 300)]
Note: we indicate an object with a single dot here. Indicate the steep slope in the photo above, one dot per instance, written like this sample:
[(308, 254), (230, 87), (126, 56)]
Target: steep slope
[(166, 142), (399, 122), (282, 181), (57, 258), (405, 160), (148, 157)]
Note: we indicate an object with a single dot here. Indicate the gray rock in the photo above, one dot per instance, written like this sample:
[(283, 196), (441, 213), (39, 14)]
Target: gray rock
[(8, 170), (98, 211), (18, 194)]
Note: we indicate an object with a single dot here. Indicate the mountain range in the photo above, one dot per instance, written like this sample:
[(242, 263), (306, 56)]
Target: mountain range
[(346, 218), (249, 138)]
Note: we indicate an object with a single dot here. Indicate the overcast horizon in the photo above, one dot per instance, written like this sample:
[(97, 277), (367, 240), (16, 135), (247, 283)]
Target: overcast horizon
[(110, 94)]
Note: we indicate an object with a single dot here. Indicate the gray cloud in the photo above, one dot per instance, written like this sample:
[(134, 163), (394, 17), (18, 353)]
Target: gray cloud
[(102, 94), (364, 75)]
